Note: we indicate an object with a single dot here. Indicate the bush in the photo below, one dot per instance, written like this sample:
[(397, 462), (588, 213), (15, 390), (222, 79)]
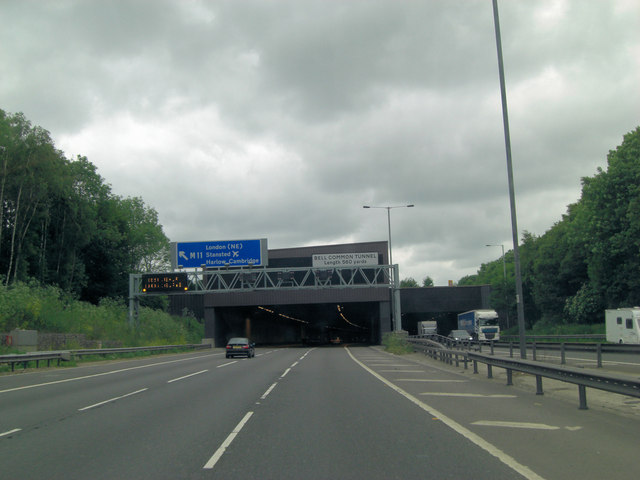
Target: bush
[(396, 343), (49, 309)]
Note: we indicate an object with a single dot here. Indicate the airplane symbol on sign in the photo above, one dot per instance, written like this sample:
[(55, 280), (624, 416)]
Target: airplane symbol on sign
[(235, 254)]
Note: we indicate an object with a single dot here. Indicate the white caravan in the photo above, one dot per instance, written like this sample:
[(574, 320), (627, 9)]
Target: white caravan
[(623, 325)]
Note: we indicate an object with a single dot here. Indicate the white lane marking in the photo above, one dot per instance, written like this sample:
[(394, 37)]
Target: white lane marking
[(466, 395), (187, 376), (294, 364), (4, 434), (265, 394), (389, 365), (26, 387), (429, 380), (112, 399), (402, 371), (307, 353), (455, 426), (285, 373), (216, 456), (533, 426), (228, 363)]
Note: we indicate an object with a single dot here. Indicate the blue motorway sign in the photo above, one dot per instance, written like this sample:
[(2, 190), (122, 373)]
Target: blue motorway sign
[(228, 253)]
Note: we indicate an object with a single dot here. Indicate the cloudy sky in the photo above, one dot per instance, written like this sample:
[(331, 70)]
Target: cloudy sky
[(248, 119)]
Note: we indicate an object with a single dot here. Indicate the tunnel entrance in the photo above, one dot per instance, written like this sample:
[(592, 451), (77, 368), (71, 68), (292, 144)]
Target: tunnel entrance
[(309, 324)]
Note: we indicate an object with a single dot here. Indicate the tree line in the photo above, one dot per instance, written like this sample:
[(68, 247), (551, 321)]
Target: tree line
[(60, 223), (586, 262)]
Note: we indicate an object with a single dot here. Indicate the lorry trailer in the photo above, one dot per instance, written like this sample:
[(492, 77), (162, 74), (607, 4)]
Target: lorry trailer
[(481, 324)]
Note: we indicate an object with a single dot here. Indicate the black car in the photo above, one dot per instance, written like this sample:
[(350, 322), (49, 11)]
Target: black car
[(240, 347)]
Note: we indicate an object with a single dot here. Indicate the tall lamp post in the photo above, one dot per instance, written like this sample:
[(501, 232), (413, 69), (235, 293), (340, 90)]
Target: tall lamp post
[(393, 276), (512, 196), (504, 278)]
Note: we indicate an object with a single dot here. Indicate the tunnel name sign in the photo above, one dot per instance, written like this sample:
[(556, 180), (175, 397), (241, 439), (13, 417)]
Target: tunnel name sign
[(227, 253), (345, 259)]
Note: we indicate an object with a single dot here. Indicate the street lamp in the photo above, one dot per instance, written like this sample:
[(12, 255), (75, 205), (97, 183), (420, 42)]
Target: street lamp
[(504, 278), (389, 223), (512, 195), (392, 277)]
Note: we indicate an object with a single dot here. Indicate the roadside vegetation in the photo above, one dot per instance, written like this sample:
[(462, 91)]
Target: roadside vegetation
[(49, 309), (396, 343)]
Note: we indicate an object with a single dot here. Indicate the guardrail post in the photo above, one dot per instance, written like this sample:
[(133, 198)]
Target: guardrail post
[(563, 359), (534, 351), (466, 361), (509, 377), (582, 392), (457, 360), (475, 366), (539, 390), (489, 371), (599, 351), (511, 349)]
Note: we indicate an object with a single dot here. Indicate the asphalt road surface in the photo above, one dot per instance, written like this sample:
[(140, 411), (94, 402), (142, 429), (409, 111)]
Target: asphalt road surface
[(298, 413)]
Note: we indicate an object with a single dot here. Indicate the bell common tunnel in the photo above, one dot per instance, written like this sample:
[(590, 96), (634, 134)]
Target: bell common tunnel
[(314, 295)]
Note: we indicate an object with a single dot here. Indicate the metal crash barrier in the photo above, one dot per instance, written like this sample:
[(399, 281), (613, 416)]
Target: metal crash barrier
[(66, 355), (582, 378)]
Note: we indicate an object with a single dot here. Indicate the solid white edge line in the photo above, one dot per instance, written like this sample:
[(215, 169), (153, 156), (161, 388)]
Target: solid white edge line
[(216, 456), (4, 434), (468, 434), (112, 400), (187, 376), (111, 372)]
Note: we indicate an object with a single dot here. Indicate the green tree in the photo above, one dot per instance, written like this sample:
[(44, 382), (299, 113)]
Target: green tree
[(611, 216), (60, 223), (408, 282), (427, 281)]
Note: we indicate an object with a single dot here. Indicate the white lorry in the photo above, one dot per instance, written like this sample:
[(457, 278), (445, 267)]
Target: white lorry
[(481, 324), (623, 325), (427, 327)]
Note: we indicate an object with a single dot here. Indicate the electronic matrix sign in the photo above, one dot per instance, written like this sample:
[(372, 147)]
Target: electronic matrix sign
[(164, 282)]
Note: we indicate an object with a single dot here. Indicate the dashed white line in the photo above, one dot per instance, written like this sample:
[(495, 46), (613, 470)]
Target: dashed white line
[(112, 399), (216, 456), (228, 363), (187, 376), (285, 373), (4, 434), (265, 394)]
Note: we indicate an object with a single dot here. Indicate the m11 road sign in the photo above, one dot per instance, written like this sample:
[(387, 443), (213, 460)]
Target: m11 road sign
[(228, 253)]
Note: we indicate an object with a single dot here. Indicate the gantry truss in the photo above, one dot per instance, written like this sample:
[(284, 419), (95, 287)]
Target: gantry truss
[(250, 279)]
